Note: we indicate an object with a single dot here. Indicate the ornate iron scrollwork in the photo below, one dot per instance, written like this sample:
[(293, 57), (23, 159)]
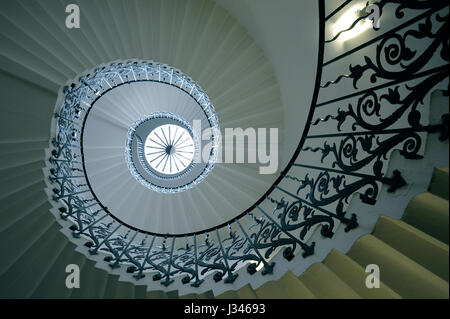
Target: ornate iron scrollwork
[(363, 128)]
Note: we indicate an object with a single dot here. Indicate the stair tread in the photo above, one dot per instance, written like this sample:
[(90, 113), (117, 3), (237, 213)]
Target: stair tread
[(13, 200), (93, 282), (110, 287), (173, 294), (230, 294), (30, 203), (439, 182), (20, 169), (53, 284), (12, 184), (189, 296), (294, 287), (324, 283), (271, 290), (24, 236), (206, 295), (156, 295), (246, 292), (125, 290), (429, 213), (19, 146), (140, 292), (415, 244), (400, 273), (52, 57), (27, 270), (355, 276)]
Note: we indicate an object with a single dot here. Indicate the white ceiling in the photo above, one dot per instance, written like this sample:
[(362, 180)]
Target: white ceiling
[(288, 32), (256, 59), (258, 70)]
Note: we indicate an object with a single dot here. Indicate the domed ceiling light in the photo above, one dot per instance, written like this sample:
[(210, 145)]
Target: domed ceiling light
[(161, 153), (173, 153)]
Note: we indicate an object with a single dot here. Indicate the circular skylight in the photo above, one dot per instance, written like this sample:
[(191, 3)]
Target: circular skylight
[(169, 149), (160, 152)]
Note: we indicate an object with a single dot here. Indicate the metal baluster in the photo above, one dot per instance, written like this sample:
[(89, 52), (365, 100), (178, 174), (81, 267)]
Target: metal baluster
[(307, 250), (167, 282), (139, 275), (116, 263), (197, 282), (350, 223), (231, 277), (94, 251), (81, 231), (268, 268)]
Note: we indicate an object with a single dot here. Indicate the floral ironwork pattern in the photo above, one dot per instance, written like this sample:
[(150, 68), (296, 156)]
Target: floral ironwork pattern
[(364, 126)]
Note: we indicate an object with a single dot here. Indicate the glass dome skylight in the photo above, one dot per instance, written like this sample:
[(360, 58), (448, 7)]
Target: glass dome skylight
[(169, 149), (160, 152)]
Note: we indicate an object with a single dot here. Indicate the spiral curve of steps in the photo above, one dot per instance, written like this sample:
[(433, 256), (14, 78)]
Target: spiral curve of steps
[(39, 56)]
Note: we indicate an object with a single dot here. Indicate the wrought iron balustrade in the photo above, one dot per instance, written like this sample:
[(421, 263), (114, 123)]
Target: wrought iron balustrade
[(378, 105)]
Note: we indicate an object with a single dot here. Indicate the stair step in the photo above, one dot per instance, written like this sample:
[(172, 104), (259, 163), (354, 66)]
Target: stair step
[(125, 290), (93, 282), (53, 285), (160, 294), (14, 69), (20, 209), (140, 292), (11, 201), (16, 147), (425, 250), (15, 241), (246, 292), (172, 294), (156, 295), (271, 290), (429, 213), (103, 285), (18, 193), (439, 182), (17, 178), (19, 184), (189, 296), (111, 286), (294, 288), (18, 169), (400, 273), (324, 283), (14, 50), (230, 294), (355, 276), (51, 255), (32, 110), (27, 271), (206, 295)]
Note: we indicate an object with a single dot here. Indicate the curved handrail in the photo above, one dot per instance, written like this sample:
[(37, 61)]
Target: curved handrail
[(312, 194)]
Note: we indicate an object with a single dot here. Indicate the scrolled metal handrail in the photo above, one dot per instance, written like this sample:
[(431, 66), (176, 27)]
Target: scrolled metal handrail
[(352, 158)]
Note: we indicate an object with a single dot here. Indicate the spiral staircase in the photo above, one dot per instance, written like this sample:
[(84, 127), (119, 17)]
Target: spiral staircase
[(363, 149)]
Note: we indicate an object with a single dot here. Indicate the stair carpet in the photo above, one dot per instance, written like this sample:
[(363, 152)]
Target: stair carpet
[(24, 203), (39, 55), (414, 247), (412, 254)]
